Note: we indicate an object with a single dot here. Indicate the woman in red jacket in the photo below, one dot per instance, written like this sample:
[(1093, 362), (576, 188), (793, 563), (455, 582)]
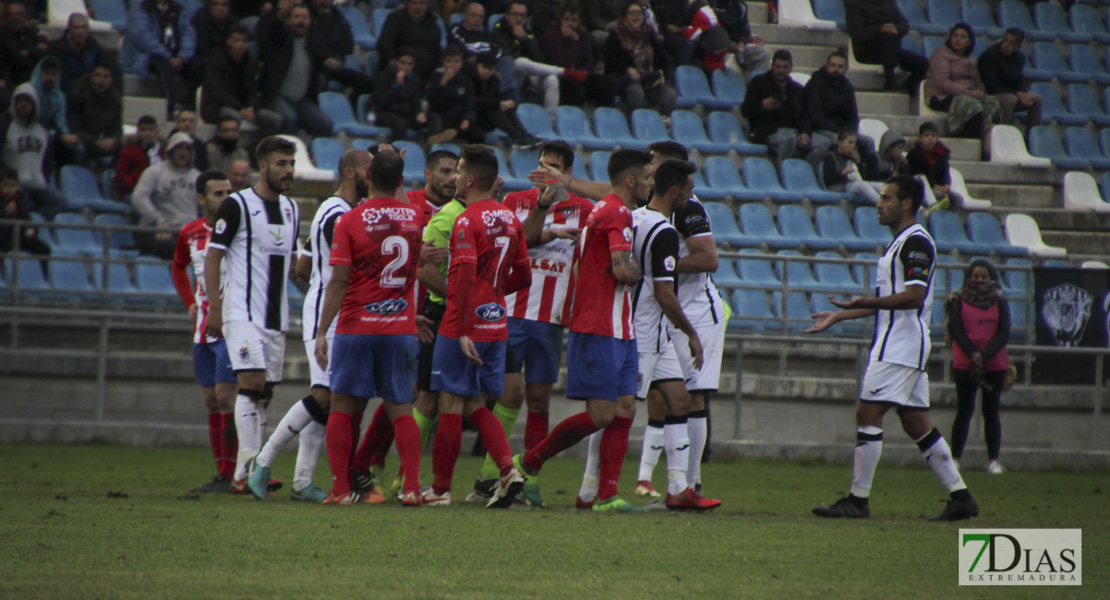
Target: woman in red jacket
[(979, 324)]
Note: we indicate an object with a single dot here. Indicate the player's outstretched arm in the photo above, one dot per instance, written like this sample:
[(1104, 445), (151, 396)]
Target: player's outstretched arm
[(212, 261), (702, 258), (668, 301), (625, 269), (913, 298), (333, 301), (594, 190), (533, 223)]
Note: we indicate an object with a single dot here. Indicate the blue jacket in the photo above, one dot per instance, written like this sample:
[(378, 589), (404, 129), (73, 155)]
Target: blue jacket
[(144, 37), (52, 104)]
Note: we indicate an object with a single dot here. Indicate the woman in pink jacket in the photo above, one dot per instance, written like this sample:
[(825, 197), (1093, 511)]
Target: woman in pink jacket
[(953, 86)]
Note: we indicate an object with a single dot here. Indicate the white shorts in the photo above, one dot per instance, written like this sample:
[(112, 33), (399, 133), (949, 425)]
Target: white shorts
[(900, 385), (657, 366), (318, 377), (252, 348), (712, 337)]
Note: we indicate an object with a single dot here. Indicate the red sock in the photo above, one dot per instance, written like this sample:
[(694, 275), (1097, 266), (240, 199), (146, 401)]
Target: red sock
[(575, 75), (370, 451), (535, 429), (340, 443), (614, 446), (566, 434), (230, 446), (356, 429), (215, 438), (445, 451), (408, 447), (493, 438)]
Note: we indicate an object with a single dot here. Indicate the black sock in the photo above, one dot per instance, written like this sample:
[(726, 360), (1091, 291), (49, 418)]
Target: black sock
[(961, 495), (861, 502)]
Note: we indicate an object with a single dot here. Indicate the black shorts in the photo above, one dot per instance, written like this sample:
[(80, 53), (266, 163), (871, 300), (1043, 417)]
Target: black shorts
[(433, 311)]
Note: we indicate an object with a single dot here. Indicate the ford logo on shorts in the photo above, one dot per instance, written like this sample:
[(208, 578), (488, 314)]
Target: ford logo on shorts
[(490, 312), (388, 307)]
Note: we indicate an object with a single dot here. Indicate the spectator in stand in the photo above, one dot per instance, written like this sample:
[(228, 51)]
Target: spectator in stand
[(268, 30), (249, 9), (842, 168), (528, 59), (634, 60), (332, 27), (928, 159), (399, 98), (15, 205), (229, 87), (889, 161), (412, 25), (567, 45), (774, 109), (599, 15), (223, 149), (954, 87), (670, 21), (548, 15), (239, 175), (22, 43), (748, 49), (494, 110), (52, 110), (96, 114), (876, 28), (1001, 67), (451, 96), (212, 25), (160, 39), (79, 52), (165, 197), (186, 122), (290, 76), (24, 146), (830, 102), (471, 35), (137, 156)]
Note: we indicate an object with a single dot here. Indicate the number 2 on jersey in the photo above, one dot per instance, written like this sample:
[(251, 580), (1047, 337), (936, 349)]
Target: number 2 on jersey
[(395, 245)]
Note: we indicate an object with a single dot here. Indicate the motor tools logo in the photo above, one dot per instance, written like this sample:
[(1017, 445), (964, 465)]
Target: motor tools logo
[(1021, 557)]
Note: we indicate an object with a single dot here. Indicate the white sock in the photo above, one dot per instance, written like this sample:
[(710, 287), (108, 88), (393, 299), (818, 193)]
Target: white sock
[(246, 427), (592, 476), (869, 447), (677, 440), (939, 456), (653, 445), (291, 424), (697, 427), (308, 455)]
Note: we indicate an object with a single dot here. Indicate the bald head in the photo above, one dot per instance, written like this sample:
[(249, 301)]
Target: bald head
[(351, 159)]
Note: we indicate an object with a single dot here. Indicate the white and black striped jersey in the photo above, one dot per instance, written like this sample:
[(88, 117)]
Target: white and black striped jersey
[(902, 336), (697, 294), (655, 246), (260, 238), (318, 249)]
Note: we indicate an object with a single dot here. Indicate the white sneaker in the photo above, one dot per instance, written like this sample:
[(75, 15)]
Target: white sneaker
[(430, 498), (995, 468), (507, 489)]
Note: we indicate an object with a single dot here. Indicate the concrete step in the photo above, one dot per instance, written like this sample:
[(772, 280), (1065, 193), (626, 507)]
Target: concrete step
[(137, 106), (132, 86), (1016, 197), (883, 103), (1078, 242), (986, 172), (777, 36), (1065, 220)]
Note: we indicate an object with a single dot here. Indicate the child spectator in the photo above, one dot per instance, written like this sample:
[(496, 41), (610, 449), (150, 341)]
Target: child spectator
[(889, 161), (929, 158), (17, 206), (135, 157), (399, 97), (494, 110), (451, 96), (841, 168)]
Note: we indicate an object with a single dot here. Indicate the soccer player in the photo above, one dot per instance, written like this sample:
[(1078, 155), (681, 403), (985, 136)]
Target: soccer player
[(896, 375), (601, 348), (439, 183), (309, 417), (374, 257), (256, 230), (489, 258), (536, 313), (211, 365)]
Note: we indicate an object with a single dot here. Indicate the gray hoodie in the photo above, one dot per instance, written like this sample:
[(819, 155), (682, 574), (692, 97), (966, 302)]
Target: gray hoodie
[(880, 167), (166, 193), (25, 144)]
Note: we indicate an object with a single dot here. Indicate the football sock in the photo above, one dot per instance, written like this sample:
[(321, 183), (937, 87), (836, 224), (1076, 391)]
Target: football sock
[(936, 453), (229, 445), (535, 429), (445, 451), (697, 425), (308, 454), (246, 424), (356, 428), (869, 447), (614, 447), (425, 425), (507, 417), (290, 425), (378, 434), (566, 434), (339, 442), (588, 491), (653, 445), (494, 439), (215, 438), (408, 447), (676, 438)]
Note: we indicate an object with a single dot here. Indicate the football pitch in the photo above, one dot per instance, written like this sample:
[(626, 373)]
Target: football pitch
[(117, 522)]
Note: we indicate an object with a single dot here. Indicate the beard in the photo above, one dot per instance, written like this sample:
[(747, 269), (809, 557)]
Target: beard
[(362, 188)]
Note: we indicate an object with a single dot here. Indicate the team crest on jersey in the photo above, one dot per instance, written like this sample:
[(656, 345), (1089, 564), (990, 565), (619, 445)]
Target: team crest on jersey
[(244, 354), (221, 226), (392, 306), (628, 234), (491, 312), (288, 214), (669, 263)]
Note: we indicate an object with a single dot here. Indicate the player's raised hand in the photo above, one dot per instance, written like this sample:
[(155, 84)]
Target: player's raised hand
[(429, 254), (566, 233), (424, 333), (543, 174), (853, 303), (823, 320), (322, 351), (696, 352), (469, 351)]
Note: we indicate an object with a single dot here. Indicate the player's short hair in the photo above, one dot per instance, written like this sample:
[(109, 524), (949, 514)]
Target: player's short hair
[(624, 160), (387, 172), (928, 126), (7, 172), (481, 163), (454, 51), (103, 63), (561, 149), (909, 187), (673, 173), (147, 120), (783, 55), (844, 133), (406, 50), (435, 156), (274, 145), (1017, 32), (670, 149), (227, 118), (205, 177)]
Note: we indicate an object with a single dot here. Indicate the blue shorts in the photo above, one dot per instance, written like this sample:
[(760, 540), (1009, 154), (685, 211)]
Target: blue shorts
[(454, 374), (536, 344), (600, 367), (374, 366), (212, 365)]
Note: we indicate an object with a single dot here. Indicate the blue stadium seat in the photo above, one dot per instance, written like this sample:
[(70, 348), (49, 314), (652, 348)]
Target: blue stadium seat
[(830, 10), (948, 233), (833, 225), (930, 44), (915, 14), (976, 13), (798, 312), (690, 82), (71, 280), (1052, 106), (727, 84), (836, 276), (1016, 282), (721, 174), (296, 297), (414, 161), (820, 303), (795, 223), (45, 234), (799, 275), (725, 128), (373, 57), (689, 131), (910, 44), (79, 186), (448, 146), (751, 310), (868, 272), (948, 277), (1082, 100), (362, 144), (757, 272), (1083, 59), (111, 11), (26, 271), (1051, 18), (704, 191), (1048, 58), (582, 167), (512, 184), (756, 221), (1054, 263), (378, 18), (725, 230), (326, 152), (1044, 142), (119, 286), (984, 228), (536, 121), (1104, 183), (868, 227), (75, 241), (648, 127), (338, 108), (1081, 143), (572, 125), (153, 277), (121, 243), (1085, 19), (1012, 13), (726, 274), (797, 176), (611, 124), (350, 62), (599, 164), (760, 176), (359, 28), (524, 160)]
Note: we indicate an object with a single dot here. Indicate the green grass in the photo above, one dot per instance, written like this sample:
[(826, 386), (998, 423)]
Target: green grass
[(115, 522)]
